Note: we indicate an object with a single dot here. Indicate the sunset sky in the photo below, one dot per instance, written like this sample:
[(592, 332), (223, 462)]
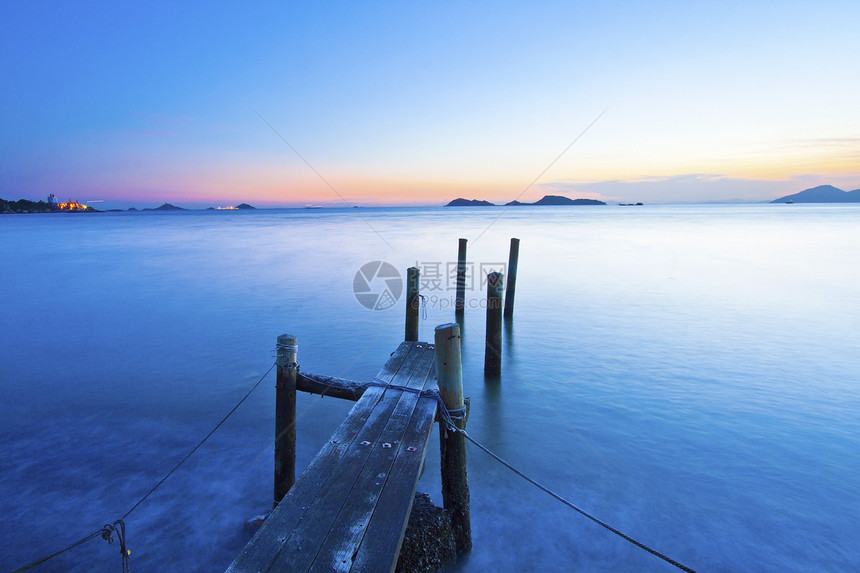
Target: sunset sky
[(285, 103)]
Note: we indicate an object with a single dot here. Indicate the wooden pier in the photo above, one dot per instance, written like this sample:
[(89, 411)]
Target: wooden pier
[(349, 510)]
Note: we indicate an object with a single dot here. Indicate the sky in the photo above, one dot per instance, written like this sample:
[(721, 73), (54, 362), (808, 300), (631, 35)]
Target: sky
[(417, 103)]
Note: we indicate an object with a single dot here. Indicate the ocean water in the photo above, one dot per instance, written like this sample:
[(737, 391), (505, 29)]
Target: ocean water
[(688, 374)]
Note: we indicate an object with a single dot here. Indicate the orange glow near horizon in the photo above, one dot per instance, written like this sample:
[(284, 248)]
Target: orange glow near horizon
[(275, 184)]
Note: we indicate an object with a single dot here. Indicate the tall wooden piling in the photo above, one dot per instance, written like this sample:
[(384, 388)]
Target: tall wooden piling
[(455, 481), (513, 258), (285, 416), (493, 344), (460, 301), (413, 304)]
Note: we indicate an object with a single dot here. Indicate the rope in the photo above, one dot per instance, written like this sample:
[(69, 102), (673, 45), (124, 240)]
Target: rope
[(423, 306), (579, 510), (200, 443), (424, 393), (448, 415), (92, 535), (118, 526), (447, 420)]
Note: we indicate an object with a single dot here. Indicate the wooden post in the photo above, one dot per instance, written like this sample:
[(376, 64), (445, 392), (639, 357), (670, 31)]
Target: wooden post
[(455, 480), (513, 257), (413, 304), (285, 416), (460, 301), (493, 345)]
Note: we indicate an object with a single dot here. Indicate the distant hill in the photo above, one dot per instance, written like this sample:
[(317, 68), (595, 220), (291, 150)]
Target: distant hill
[(460, 202), (546, 200), (167, 207), (239, 206), (558, 200), (822, 194)]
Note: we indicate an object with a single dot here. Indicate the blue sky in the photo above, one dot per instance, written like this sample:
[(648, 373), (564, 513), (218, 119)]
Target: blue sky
[(418, 103)]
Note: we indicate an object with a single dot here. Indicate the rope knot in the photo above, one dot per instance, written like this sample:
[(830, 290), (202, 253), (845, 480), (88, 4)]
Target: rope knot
[(117, 527)]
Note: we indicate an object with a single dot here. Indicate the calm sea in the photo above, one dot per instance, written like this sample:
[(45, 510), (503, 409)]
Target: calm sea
[(688, 374)]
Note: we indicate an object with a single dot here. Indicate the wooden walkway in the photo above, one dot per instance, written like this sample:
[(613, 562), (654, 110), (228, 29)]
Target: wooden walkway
[(349, 509)]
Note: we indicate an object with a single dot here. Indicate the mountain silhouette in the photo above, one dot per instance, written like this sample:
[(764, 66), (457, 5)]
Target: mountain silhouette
[(822, 194), (546, 200), (460, 202)]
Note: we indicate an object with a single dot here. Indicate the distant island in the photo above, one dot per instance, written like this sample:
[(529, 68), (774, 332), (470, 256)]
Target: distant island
[(52, 205), (166, 207), (469, 203), (822, 194), (546, 200), (231, 208), (170, 207), (557, 200)]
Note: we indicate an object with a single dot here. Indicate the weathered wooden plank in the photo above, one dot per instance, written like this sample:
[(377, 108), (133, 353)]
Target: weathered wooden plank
[(259, 553), (348, 532), (383, 537), (329, 386), (266, 544), (303, 542)]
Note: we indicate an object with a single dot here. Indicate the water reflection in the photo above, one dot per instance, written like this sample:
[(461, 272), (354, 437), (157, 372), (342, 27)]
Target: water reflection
[(707, 353), (509, 355)]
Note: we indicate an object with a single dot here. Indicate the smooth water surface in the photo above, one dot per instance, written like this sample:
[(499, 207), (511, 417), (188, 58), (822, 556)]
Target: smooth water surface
[(688, 374)]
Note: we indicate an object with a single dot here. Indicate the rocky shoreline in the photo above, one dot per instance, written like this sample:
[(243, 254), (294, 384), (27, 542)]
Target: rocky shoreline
[(24, 206)]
